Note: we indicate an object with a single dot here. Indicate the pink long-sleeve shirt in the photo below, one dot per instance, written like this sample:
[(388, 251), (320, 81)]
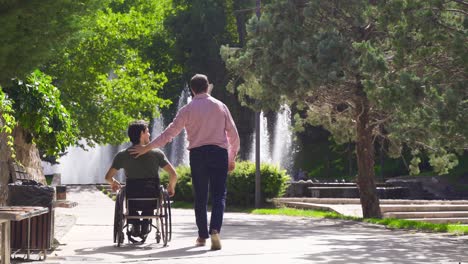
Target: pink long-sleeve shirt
[(207, 122)]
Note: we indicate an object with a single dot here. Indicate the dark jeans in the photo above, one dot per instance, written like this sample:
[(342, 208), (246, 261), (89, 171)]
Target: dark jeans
[(209, 166)]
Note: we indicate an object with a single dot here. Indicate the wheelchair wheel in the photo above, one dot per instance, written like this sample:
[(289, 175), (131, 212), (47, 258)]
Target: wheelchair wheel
[(167, 204), (119, 219), (163, 217)]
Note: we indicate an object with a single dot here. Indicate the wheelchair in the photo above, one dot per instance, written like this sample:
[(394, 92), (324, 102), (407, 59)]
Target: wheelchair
[(137, 204)]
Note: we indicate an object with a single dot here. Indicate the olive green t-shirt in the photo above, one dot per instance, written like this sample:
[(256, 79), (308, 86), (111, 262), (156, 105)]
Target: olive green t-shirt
[(144, 167)]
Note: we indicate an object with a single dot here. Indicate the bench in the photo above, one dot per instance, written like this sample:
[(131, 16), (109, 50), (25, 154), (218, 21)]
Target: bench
[(16, 213), (35, 229)]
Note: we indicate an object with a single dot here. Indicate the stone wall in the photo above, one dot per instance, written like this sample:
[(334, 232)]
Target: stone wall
[(28, 155)]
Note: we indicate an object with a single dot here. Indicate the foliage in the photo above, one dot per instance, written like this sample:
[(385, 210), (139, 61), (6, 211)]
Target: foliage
[(7, 120), (199, 28), (406, 59), (33, 32), (183, 190), (425, 80), (301, 52), (94, 52), (104, 75), (240, 183), (39, 110), (49, 179)]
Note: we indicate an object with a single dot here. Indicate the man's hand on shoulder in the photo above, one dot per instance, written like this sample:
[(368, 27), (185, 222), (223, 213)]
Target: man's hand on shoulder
[(138, 150)]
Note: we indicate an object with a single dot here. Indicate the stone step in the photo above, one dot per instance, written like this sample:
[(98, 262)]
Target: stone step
[(300, 205), (336, 184), (447, 220), (354, 209), (411, 215), (385, 208)]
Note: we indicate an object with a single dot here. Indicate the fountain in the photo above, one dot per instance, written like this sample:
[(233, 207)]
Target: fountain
[(283, 136), (88, 166), (178, 154), (265, 154), (280, 152), (157, 126)]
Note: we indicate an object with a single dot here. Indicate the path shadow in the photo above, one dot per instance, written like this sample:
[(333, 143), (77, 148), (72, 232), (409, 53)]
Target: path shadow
[(155, 251)]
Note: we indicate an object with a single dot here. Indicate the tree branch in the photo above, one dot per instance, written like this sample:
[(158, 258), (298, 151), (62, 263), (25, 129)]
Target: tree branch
[(461, 2), (457, 11)]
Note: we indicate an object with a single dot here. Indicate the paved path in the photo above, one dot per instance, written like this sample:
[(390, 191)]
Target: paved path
[(246, 239)]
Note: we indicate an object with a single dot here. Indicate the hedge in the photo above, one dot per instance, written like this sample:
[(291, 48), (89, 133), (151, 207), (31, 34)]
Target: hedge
[(240, 183)]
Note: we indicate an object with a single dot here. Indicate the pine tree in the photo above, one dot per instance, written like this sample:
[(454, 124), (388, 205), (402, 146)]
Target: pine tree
[(392, 71)]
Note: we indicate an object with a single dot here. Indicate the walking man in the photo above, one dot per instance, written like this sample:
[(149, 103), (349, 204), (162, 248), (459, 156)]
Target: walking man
[(213, 145)]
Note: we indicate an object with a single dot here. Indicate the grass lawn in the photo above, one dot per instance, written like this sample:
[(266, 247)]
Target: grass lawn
[(388, 222), (392, 223)]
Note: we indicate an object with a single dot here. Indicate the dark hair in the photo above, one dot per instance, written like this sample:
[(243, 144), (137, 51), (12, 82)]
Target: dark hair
[(134, 130), (199, 83)]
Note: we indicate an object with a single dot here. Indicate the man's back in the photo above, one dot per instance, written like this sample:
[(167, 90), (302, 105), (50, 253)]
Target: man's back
[(206, 120), (144, 167)]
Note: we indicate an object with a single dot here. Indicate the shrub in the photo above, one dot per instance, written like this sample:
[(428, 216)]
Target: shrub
[(183, 191), (240, 183)]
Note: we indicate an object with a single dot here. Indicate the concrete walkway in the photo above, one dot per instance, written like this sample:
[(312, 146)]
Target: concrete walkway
[(246, 239)]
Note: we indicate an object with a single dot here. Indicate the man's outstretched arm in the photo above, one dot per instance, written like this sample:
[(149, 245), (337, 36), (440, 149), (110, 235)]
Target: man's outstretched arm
[(233, 139), (167, 135)]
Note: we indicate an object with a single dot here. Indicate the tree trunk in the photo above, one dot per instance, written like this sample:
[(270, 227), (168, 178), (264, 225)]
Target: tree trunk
[(241, 30), (365, 160), (28, 155), (5, 155)]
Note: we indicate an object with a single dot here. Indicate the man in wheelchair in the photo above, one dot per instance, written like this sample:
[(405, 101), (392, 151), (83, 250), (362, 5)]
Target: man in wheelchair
[(142, 178)]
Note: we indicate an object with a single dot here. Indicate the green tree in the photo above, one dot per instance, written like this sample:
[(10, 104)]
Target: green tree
[(393, 71), (105, 77), (94, 71), (7, 120), (39, 111), (199, 28), (33, 32), (425, 79)]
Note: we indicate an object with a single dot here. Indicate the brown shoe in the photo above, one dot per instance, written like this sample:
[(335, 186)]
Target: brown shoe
[(201, 242), (215, 240)]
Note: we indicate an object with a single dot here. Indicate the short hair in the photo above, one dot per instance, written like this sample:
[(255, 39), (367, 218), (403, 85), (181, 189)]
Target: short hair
[(199, 83), (134, 130)]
